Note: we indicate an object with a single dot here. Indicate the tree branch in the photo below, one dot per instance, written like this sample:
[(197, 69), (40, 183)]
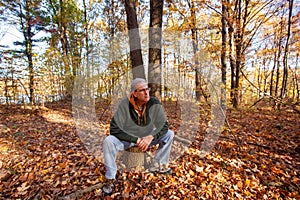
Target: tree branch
[(80, 193)]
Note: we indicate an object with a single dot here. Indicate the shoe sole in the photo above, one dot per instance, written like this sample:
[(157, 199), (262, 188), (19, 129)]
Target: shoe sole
[(166, 172), (160, 172)]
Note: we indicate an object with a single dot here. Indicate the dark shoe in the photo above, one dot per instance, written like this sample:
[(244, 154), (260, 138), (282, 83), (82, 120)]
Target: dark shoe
[(108, 187), (159, 168)]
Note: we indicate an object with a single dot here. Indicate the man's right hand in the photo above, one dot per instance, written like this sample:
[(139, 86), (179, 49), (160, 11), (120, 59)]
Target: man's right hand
[(143, 143)]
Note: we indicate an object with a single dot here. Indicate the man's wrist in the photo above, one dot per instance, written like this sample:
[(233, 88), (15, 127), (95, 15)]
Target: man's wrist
[(152, 137)]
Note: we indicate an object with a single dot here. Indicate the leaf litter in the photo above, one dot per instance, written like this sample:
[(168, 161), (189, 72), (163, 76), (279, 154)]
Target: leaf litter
[(42, 157)]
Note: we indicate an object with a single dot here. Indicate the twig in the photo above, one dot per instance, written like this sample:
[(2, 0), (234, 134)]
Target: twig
[(272, 97), (180, 139), (79, 193), (294, 106), (225, 117), (259, 145), (256, 102)]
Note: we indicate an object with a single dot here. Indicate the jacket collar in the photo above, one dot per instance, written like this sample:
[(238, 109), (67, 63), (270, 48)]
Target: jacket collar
[(139, 110)]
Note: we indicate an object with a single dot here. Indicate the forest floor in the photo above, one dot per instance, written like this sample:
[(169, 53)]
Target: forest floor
[(256, 157)]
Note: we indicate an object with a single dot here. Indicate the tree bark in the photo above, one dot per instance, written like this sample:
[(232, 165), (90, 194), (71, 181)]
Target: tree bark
[(27, 33), (278, 57), (223, 53), (155, 45), (231, 56), (238, 50), (65, 48), (286, 53), (195, 48), (272, 74), (138, 70)]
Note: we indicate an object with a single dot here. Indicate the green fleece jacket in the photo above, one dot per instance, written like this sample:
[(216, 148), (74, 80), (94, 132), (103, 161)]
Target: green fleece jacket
[(126, 125)]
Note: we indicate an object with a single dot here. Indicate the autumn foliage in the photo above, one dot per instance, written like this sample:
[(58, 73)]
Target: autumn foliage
[(256, 157)]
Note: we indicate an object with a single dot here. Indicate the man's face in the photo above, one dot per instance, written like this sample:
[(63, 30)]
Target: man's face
[(142, 93)]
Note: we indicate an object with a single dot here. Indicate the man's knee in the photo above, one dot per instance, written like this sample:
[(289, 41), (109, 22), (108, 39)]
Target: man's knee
[(170, 134), (112, 142), (168, 138), (109, 140)]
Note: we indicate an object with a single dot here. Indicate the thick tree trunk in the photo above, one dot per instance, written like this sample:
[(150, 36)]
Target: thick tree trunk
[(138, 70), (155, 44)]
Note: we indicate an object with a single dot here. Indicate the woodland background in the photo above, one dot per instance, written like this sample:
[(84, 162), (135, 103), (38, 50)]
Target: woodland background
[(95, 48)]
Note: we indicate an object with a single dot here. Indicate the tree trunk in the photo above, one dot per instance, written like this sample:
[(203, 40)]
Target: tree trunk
[(279, 45), (86, 36), (195, 48), (223, 53), (277, 71), (138, 70), (31, 70), (155, 44), (65, 48), (231, 56), (27, 33), (238, 51), (286, 53), (259, 78), (297, 95), (272, 75), (241, 19), (89, 72)]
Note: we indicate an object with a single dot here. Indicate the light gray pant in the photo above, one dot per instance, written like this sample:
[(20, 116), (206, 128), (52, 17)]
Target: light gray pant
[(112, 145)]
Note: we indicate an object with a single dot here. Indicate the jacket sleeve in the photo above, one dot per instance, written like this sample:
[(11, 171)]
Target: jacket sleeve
[(162, 132), (118, 133), (158, 117)]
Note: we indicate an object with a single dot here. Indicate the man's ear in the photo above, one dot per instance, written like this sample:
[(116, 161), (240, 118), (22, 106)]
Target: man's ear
[(134, 94)]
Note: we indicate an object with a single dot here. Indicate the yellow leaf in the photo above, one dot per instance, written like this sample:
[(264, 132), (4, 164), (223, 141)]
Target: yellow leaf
[(209, 191), (247, 193), (222, 179), (3, 149), (248, 182), (191, 172), (45, 171), (101, 178)]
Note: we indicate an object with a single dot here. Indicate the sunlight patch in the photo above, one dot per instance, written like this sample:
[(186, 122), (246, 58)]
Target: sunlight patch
[(56, 117)]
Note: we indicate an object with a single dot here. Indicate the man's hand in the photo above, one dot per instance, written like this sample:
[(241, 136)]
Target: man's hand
[(143, 143)]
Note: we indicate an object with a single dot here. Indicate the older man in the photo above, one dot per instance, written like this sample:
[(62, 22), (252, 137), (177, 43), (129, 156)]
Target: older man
[(139, 120)]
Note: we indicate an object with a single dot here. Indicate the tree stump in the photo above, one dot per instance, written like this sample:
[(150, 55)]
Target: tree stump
[(134, 157)]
